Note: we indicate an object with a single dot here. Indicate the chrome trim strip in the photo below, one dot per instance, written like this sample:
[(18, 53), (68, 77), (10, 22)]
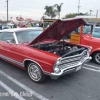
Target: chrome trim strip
[(73, 56), (11, 60), (34, 62), (19, 63)]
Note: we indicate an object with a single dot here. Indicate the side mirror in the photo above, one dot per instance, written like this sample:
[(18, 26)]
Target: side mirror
[(9, 41)]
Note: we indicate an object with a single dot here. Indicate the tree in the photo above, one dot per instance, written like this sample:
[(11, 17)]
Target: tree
[(50, 11), (71, 15), (58, 9)]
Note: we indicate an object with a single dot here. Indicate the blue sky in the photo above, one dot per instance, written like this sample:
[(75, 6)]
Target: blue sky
[(35, 8)]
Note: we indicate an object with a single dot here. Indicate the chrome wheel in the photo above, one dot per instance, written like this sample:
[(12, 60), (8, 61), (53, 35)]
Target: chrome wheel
[(97, 57), (34, 72)]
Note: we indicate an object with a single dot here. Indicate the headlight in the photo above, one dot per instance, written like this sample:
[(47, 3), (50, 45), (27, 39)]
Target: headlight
[(56, 70), (56, 66)]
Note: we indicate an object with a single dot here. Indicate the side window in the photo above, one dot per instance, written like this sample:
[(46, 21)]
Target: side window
[(7, 36), (96, 34)]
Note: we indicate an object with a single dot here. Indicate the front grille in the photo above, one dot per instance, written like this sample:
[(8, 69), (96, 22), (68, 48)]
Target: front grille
[(72, 60)]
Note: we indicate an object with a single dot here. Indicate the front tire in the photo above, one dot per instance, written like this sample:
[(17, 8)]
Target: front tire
[(96, 57), (35, 73)]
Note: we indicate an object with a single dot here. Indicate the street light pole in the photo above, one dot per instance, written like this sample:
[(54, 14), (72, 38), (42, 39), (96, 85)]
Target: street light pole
[(97, 13), (78, 6), (7, 10), (96, 16)]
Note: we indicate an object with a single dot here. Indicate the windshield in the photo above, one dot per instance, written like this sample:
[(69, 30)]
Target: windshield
[(87, 29), (27, 36), (47, 24)]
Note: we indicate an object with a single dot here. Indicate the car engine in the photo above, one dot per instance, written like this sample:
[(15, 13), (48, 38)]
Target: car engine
[(60, 48)]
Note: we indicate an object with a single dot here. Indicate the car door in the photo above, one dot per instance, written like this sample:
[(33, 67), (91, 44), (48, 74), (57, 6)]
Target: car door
[(9, 50), (7, 41), (95, 40)]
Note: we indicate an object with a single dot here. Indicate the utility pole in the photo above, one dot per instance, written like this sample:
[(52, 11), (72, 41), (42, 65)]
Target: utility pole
[(78, 6), (96, 16), (7, 11), (97, 13), (91, 12)]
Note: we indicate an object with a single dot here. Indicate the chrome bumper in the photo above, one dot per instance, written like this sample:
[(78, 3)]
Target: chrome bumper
[(72, 68)]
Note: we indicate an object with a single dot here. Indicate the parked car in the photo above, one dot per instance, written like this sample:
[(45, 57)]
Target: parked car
[(0, 26), (4, 26), (44, 53), (96, 32), (93, 39), (90, 35)]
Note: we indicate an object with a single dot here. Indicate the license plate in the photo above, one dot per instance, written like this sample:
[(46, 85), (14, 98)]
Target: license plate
[(78, 68)]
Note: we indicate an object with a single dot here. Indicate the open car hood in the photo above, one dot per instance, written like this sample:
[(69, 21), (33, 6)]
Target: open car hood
[(59, 29)]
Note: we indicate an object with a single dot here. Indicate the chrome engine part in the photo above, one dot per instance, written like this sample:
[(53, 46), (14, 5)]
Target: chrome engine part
[(58, 48)]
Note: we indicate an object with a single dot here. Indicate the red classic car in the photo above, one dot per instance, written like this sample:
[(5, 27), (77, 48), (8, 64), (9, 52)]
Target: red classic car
[(44, 53), (90, 36)]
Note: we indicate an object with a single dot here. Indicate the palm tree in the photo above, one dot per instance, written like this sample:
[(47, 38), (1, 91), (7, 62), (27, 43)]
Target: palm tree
[(50, 12), (58, 7)]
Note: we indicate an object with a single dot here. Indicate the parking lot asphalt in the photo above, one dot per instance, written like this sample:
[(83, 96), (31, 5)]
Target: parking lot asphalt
[(82, 85)]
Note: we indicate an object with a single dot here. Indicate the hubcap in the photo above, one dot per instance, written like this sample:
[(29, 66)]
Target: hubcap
[(34, 72), (97, 57)]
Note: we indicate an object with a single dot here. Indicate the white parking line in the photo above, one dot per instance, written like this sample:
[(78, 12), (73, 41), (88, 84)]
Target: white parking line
[(92, 66), (11, 92), (91, 69), (39, 96)]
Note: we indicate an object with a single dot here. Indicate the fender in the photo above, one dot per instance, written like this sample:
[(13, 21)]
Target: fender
[(33, 62), (94, 50)]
